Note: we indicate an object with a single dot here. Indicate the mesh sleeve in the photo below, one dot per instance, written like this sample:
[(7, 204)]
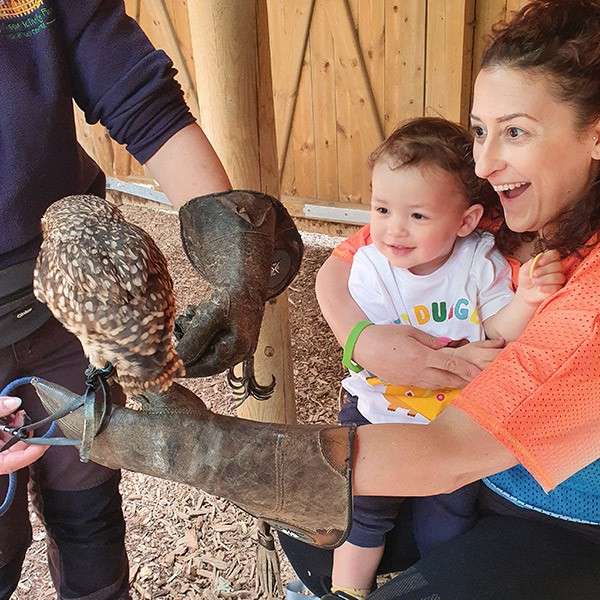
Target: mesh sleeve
[(540, 397), (346, 250)]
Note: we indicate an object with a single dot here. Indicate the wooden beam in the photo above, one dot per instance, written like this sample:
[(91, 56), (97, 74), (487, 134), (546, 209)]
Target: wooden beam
[(299, 171), (487, 14), (132, 8), (232, 63), (370, 19), (323, 96), (291, 20), (358, 123), (332, 229), (449, 58)]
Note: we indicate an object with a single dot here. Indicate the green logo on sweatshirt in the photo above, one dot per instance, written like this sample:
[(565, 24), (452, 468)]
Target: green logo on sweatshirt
[(24, 18)]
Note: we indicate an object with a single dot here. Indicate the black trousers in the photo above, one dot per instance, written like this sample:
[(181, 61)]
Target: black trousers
[(436, 519), (503, 557), (79, 503)]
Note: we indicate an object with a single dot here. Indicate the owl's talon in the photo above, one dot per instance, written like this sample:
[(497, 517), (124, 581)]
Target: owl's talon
[(262, 392), (246, 386)]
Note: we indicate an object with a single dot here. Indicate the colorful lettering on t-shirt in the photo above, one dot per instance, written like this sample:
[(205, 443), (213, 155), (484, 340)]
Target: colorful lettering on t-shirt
[(441, 311)]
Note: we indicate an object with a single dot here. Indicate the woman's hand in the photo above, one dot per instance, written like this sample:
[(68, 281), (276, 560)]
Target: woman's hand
[(398, 354), (20, 455), (403, 355), (480, 354)]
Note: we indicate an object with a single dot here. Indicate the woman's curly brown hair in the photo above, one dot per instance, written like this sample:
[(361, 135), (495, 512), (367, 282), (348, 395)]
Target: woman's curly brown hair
[(560, 40)]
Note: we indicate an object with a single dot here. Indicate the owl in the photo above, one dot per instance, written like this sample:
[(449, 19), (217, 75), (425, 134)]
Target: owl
[(107, 282)]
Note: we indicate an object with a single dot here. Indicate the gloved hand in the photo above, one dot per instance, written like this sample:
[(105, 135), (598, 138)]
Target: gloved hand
[(246, 245)]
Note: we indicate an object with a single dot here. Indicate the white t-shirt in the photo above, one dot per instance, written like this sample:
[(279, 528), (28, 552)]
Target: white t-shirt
[(471, 286)]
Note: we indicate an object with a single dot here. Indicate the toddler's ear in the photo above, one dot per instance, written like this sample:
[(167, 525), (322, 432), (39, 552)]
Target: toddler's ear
[(471, 218)]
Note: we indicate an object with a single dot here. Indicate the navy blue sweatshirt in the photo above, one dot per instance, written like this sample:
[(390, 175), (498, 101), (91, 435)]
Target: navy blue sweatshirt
[(64, 50)]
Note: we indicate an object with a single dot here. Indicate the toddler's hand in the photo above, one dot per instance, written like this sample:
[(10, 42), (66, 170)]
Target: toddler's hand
[(541, 277), (478, 353)]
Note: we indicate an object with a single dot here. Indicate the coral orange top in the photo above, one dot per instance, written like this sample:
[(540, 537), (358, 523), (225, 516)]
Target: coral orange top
[(541, 396)]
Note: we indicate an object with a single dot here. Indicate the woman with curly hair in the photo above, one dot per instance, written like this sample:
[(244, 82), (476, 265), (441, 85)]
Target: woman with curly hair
[(527, 425)]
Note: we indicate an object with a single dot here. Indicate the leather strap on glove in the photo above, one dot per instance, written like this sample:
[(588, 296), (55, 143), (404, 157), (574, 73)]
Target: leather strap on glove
[(246, 245), (296, 477)]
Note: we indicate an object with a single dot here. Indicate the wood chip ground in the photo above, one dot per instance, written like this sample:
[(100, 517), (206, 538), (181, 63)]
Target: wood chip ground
[(182, 543)]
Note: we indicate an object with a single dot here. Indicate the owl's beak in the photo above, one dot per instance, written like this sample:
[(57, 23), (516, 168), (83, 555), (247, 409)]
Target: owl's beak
[(297, 477)]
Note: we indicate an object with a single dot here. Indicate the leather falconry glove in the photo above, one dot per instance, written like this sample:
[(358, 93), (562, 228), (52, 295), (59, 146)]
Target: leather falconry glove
[(246, 245), (295, 477)]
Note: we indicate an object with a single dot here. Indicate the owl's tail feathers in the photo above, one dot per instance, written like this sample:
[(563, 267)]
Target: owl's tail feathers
[(173, 368), (151, 377)]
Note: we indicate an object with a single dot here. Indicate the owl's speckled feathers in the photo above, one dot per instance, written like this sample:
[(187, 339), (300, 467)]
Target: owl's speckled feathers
[(107, 282)]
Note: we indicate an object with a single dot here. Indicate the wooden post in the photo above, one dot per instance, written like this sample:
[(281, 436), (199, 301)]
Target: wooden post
[(233, 79)]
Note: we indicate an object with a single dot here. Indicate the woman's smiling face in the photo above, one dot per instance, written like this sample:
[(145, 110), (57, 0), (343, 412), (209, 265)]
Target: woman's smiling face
[(527, 145)]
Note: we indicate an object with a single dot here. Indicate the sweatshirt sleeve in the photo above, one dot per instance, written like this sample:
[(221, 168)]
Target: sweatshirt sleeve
[(119, 78), (540, 397)]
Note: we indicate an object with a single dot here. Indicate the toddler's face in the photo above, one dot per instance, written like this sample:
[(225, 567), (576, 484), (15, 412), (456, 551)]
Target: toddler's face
[(417, 212)]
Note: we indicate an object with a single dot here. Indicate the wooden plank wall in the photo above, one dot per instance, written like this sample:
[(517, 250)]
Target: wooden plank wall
[(345, 73)]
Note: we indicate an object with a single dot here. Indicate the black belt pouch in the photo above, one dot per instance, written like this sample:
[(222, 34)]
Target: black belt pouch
[(20, 313)]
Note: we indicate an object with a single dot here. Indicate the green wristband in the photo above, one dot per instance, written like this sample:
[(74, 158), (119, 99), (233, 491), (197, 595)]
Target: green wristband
[(349, 346)]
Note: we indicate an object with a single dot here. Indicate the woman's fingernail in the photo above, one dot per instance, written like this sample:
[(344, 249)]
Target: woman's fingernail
[(10, 403), (444, 340)]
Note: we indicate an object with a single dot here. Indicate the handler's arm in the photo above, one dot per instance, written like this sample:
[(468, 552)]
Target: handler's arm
[(186, 166), (20, 455), (133, 92), (411, 460)]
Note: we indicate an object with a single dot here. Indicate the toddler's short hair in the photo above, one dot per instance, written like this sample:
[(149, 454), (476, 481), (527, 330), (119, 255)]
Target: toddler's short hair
[(436, 142)]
